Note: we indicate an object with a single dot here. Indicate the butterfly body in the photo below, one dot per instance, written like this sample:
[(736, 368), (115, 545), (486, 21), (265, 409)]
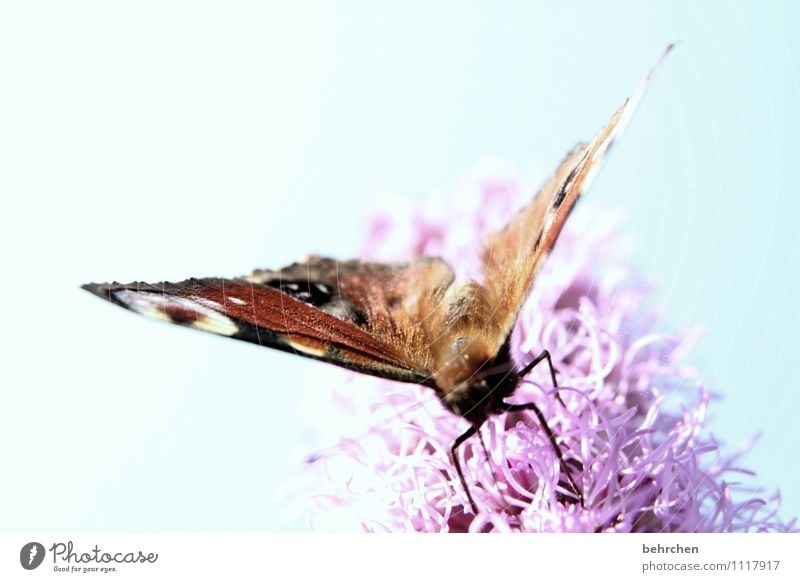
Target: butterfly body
[(482, 395), (410, 322)]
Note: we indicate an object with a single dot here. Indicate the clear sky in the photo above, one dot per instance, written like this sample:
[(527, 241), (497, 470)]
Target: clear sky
[(161, 140)]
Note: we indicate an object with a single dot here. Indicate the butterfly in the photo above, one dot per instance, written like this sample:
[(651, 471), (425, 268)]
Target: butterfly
[(409, 322)]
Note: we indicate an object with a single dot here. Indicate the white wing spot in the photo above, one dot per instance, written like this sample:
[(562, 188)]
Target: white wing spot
[(156, 305), (307, 349), (216, 323)]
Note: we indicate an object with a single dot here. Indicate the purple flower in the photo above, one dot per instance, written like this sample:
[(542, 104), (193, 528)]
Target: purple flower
[(632, 422)]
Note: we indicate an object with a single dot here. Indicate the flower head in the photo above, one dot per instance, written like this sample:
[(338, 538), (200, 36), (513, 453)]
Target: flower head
[(630, 418)]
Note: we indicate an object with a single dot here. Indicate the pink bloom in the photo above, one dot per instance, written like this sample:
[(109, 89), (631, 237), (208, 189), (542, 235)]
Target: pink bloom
[(634, 416)]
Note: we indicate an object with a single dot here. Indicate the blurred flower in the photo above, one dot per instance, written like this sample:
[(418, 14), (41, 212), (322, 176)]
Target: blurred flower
[(633, 414)]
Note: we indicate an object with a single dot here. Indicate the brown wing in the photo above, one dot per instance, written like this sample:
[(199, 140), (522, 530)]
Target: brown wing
[(403, 321), (356, 315), (396, 303), (513, 255)]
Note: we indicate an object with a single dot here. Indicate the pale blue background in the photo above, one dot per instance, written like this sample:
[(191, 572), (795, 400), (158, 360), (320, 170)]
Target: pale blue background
[(158, 140)]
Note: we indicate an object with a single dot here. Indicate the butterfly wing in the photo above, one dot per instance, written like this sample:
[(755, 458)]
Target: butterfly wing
[(513, 256), (355, 315), (396, 303), (399, 321)]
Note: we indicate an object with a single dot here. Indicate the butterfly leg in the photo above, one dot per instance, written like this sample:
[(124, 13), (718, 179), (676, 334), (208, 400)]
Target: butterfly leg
[(457, 464), (552, 438), (545, 355)]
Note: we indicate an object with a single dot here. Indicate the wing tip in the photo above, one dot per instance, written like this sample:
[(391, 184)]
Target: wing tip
[(634, 99), (106, 291), (668, 49), (110, 291), (102, 290), (624, 114)]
